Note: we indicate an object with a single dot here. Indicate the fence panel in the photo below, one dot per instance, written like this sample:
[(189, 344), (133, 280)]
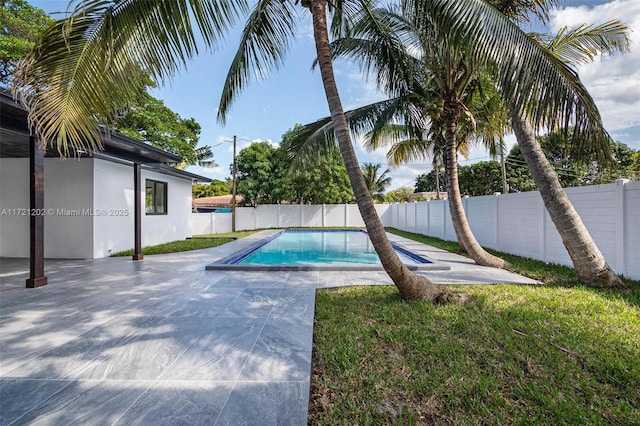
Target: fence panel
[(481, 212), (289, 216), (631, 231), (311, 216)]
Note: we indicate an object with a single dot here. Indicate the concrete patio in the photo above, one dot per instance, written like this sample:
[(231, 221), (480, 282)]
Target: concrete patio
[(164, 342)]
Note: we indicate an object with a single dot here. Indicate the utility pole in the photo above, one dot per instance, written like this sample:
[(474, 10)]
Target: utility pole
[(233, 196), (505, 185)]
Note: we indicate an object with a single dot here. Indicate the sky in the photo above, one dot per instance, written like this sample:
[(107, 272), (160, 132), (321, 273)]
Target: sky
[(273, 104)]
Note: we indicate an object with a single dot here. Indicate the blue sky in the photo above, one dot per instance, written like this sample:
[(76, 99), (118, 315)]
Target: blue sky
[(269, 107)]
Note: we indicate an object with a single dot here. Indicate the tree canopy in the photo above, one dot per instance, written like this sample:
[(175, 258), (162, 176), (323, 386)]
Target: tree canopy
[(399, 195), (149, 120), (484, 177), (265, 176), (20, 26), (216, 187), (138, 114), (376, 182)]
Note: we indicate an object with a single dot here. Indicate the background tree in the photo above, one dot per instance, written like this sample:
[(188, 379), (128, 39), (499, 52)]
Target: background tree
[(624, 166), (266, 175), (258, 175), (20, 26), (482, 178), (399, 195), (148, 119), (323, 179), (428, 182), (215, 187), (139, 115), (376, 182)]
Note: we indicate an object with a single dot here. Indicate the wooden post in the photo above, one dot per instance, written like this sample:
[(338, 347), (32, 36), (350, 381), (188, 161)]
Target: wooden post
[(137, 212), (36, 217)]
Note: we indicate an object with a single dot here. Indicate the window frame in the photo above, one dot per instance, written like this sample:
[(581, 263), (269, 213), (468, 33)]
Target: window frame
[(155, 184)]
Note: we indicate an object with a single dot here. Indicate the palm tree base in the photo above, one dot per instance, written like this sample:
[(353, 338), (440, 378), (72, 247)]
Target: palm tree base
[(447, 297), (606, 278), (416, 287), (487, 259)]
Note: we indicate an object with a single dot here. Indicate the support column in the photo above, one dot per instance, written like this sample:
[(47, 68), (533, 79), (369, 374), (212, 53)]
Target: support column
[(137, 212), (36, 218)]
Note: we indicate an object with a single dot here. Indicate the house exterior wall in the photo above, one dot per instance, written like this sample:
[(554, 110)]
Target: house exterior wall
[(177, 223), (89, 208), (67, 194), (14, 194), (113, 201)]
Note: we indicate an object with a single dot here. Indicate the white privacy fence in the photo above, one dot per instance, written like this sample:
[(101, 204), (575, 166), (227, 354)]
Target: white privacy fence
[(282, 216), (512, 223)]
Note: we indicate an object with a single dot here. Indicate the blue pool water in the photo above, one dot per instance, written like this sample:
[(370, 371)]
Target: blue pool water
[(324, 247)]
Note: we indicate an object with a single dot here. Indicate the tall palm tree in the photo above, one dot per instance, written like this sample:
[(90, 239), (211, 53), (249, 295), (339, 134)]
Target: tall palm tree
[(376, 182), (578, 45), (434, 86), (82, 63)]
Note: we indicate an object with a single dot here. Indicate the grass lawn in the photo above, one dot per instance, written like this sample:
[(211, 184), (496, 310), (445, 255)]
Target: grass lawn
[(195, 243), (556, 354)]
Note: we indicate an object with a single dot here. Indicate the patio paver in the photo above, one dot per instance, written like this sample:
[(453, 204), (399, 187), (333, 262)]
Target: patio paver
[(162, 341)]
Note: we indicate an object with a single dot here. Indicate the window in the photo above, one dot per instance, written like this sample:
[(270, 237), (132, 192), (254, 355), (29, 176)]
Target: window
[(155, 197)]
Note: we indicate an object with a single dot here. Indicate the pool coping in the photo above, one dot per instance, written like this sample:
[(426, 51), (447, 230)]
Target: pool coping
[(224, 265)]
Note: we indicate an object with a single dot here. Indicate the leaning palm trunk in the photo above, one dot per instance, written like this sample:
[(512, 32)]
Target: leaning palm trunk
[(458, 216), (410, 286), (588, 261)]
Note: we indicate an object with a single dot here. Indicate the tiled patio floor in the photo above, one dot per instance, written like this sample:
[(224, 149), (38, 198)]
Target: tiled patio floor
[(164, 342)]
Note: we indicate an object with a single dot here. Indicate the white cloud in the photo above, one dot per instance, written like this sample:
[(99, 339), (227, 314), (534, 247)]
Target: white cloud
[(406, 176), (613, 81), (210, 172)]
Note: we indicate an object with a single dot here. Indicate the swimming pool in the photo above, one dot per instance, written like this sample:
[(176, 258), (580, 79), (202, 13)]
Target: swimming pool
[(317, 250)]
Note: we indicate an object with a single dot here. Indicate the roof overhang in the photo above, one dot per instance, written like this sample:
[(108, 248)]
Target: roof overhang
[(14, 140), (172, 171)]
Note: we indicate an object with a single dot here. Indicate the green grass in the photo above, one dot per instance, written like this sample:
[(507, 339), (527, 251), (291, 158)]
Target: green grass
[(556, 354), (549, 273), (195, 243)]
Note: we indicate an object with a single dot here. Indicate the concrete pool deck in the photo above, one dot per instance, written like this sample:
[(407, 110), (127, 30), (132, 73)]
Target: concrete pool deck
[(163, 341)]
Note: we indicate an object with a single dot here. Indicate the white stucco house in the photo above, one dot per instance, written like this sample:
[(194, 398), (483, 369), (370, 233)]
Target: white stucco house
[(89, 202)]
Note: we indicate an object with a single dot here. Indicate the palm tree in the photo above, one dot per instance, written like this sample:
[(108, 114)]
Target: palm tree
[(579, 45), (435, 89), (376, 183), (70, 79), (82, 63)]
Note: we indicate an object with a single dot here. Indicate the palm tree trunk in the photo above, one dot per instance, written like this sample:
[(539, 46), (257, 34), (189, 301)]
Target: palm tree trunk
[(458, 217), (410, 286), (588, 261)]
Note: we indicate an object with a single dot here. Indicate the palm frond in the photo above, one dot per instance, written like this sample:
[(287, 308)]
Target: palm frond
[(409, 150), (317, 138), (83, 64), (522, 11), (531, 78), (384, 136), (376, 45), (584, 43), (265, 41)]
